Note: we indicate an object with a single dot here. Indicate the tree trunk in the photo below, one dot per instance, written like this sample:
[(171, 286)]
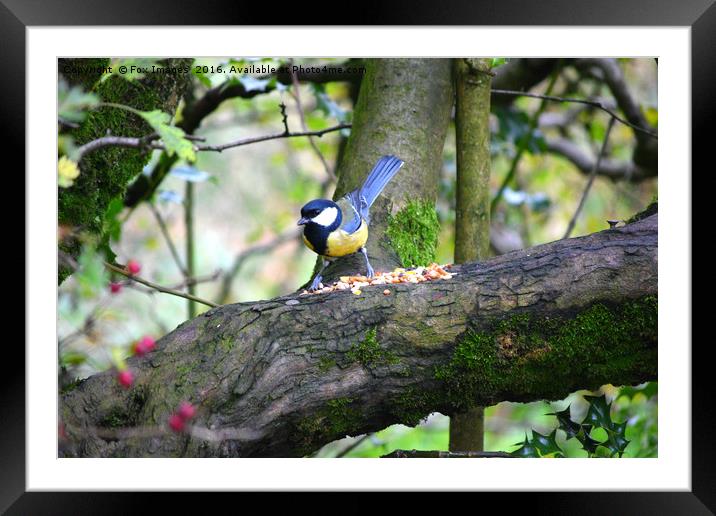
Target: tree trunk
[(293, 373), (403, 109), (472, 212), (104, 174)]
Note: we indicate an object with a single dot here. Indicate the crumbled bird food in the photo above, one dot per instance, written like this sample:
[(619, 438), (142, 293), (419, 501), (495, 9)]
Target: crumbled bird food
[(400, 275)]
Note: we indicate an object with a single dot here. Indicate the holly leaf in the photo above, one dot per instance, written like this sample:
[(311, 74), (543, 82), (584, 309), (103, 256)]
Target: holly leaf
[(565, 422), (527, 450), (588, 444), (547, 444), (616, 441), (598, 412), (172, 136)]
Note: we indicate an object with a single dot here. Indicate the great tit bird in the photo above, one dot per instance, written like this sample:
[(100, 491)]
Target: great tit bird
[(335, 229)]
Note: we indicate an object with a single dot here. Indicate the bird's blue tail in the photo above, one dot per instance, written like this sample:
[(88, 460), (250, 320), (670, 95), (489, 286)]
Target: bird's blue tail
[(382, 173)]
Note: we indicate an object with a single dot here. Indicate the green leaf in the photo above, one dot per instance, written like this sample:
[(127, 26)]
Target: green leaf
[(91, 275), (598, 413), (527, 450), (616, 441), (72, 358), (112, 223), (328, 106), (649, 390), (72, 103), (565, 422), (173, 137), (547, 444), (588, 444), (498, 61)]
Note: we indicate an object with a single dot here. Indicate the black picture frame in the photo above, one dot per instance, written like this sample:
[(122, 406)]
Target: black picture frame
[(700, 15)]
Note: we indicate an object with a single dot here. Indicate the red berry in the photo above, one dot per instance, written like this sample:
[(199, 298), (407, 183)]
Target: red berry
[(115, 287), (143, 345), (176, 423), (133, 267), (186, 411), (125, 378)]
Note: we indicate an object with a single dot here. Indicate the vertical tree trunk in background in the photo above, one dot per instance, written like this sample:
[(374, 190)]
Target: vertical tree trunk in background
[(472, 217), (403, 109)]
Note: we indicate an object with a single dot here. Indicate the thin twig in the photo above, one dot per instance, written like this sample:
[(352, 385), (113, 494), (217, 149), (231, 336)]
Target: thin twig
[(160, 288), (592, 175), (297, 96), (123, 141), (593, 103), (189, 230), (522, 146), (168, 239)]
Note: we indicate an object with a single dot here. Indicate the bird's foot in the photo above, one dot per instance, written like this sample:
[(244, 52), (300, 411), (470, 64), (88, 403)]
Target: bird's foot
[(371, 272), (316, 284)]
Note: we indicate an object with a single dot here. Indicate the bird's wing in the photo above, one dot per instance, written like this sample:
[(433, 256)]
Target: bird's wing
[(351, 217), (364, 197)]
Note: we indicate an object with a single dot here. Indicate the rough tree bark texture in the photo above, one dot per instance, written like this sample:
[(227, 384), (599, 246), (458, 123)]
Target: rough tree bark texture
[(403, 109), (104, 174), (472, 210), (290, 377)]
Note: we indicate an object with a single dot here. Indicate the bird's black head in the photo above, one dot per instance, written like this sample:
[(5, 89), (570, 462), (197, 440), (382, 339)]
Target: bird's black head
[(321, 212)]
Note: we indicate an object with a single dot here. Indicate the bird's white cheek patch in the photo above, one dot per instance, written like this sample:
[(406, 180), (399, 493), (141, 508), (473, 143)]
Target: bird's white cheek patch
[(326, 217)]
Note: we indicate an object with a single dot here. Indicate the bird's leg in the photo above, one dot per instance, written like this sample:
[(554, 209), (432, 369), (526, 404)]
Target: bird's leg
[(317, 279), (371, 273)]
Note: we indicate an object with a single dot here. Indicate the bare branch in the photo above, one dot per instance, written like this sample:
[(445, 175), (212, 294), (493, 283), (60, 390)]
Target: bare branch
[(297, 96), (123, 141), (594, 103), (168, 239), (615, 170), (592, 175), (160, 288)]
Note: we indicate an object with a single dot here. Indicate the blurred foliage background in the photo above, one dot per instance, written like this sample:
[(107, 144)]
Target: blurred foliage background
[(247, 199)]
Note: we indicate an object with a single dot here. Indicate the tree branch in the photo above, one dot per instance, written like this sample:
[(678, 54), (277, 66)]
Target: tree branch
[(614, 170), (145, 143), (160, 288), (296, 372)]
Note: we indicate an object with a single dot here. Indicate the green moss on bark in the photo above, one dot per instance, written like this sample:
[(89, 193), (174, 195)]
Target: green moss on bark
[(104, 174), (330, 422), (369, 352), (413, 233), (528, 355)]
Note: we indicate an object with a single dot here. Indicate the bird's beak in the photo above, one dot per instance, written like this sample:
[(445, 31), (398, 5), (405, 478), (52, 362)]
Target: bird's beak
[(302, 221)]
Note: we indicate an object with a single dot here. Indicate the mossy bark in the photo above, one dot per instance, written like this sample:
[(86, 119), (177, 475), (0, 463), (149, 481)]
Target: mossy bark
[(403, 109), (104, 174), (290, 377), (472, 212)]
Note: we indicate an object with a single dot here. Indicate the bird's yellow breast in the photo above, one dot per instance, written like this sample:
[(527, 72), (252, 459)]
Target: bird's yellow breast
[(340, 243)]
